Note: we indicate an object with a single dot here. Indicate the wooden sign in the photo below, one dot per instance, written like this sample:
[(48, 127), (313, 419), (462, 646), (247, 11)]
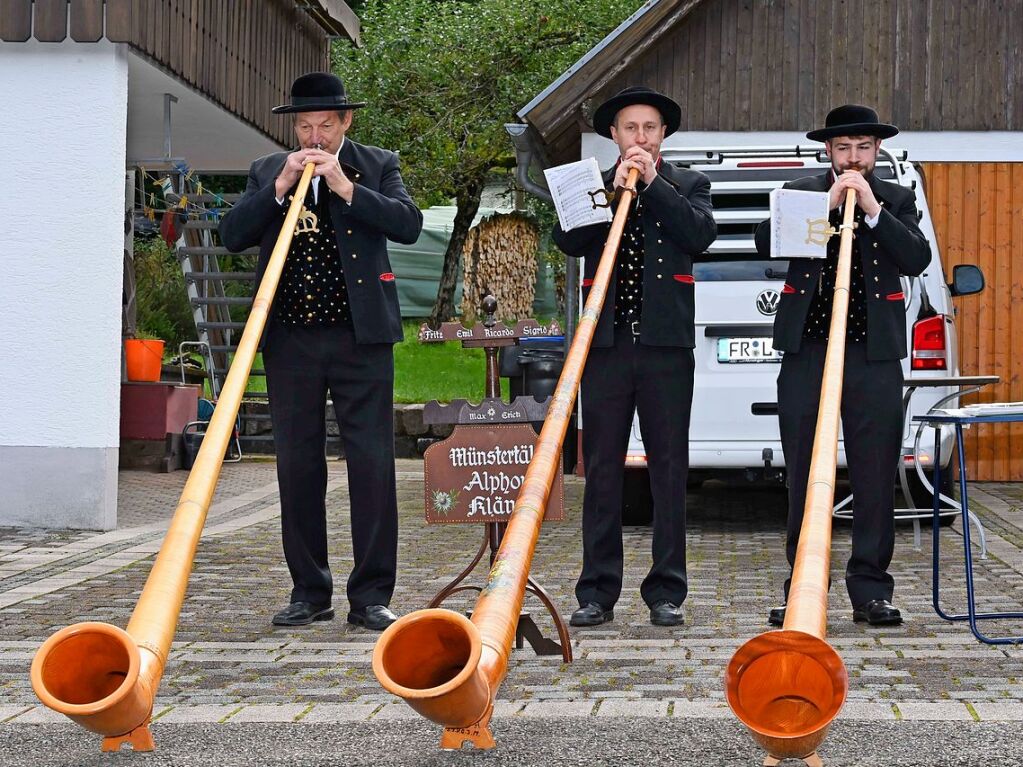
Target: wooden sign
[(455, 331), (490, 410), (475, 474)]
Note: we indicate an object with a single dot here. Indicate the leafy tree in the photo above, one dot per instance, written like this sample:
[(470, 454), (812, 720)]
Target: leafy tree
[(443, 76)]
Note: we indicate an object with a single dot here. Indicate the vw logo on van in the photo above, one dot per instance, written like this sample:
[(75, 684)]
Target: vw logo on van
[(767, 302)]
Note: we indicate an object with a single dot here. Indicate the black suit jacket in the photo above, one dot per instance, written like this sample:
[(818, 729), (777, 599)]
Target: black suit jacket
[(678, 225), (381, 209), (894, 247)]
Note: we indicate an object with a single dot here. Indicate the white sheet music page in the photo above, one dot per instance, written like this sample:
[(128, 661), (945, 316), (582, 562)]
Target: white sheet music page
[(798, 223), (984, 408), (569, 186)]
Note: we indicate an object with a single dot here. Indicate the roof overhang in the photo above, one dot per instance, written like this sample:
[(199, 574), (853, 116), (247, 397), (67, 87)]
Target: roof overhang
[(202, 133), (48, 22), (336, 18), (558, 105)]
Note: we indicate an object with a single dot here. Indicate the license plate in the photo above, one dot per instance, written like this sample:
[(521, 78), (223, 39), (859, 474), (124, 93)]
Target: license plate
[(731, 350)]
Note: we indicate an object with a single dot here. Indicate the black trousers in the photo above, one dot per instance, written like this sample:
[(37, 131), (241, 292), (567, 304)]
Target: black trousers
[(872, 427), (657, 382), (302, 366)]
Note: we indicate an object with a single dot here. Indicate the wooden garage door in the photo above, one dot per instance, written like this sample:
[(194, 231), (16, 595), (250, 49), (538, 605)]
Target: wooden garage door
[(978, 216)]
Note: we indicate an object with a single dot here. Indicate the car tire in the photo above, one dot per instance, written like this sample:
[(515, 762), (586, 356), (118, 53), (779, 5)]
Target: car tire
[(637, 500), (695, 480), (924, 497)]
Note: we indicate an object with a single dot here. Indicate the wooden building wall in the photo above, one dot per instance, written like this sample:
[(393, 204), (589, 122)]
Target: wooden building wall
[(242, 54), (758, 65), (765, 65), (977, 210)]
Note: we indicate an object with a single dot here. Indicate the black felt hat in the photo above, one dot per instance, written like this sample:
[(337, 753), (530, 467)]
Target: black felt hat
[(852, 120), (604, 116), (317, 92)]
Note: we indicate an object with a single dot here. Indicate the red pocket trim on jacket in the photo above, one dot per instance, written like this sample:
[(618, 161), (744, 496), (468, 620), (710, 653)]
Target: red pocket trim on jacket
[(786, 288), (900, 296), (387, 276), (686, 278), (587, 283)]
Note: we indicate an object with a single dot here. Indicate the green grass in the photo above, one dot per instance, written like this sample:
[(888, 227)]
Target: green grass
[(424, 372), (446, 371), (257, 383)]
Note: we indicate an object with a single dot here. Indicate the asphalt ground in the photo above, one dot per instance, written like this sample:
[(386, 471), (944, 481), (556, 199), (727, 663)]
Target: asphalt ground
[(628, 742), (239, 691)]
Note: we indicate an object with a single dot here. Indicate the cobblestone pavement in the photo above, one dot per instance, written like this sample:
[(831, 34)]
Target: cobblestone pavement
[(229, 665)]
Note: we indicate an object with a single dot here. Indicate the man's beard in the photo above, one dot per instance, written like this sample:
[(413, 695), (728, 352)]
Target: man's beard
[(861, 169)]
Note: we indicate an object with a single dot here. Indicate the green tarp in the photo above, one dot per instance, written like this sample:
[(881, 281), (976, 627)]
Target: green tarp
[(417, 267)]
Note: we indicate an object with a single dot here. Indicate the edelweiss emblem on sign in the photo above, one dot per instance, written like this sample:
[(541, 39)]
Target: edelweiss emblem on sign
[(767, 302)]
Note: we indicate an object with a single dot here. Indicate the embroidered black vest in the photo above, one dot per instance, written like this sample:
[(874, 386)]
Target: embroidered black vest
[(313, 289)]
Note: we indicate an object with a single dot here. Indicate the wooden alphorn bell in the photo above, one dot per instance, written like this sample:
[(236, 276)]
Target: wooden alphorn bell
[(103, 677), (445, 666), (787, 686)]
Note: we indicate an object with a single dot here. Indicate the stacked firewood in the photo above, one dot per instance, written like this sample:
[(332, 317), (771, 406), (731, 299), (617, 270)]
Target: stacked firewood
[(500, 257)]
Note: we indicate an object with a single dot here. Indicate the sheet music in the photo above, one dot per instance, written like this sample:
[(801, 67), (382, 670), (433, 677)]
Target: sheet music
[(569, 185), (798, 221), (984, 408)]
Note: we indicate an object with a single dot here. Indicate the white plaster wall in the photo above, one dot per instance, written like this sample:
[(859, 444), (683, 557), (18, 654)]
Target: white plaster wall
[(62, 139)]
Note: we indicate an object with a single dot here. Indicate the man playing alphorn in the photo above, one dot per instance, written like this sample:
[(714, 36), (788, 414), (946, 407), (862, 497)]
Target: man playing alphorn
[(331, 330), (642, 356), (887, 244)]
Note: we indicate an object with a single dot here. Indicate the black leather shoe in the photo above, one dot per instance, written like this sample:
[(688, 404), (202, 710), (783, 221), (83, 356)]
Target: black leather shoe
[(591, 614), (302, 614), (777, 616), (665, 613), (373, 617), (878, 612)]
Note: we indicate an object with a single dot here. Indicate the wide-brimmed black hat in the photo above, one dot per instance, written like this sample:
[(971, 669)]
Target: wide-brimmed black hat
[(317, 92), (604, 116), (852, 120)]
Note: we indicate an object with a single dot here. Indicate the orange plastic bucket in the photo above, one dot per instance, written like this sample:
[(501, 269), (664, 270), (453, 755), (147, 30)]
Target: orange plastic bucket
[(143, 357)]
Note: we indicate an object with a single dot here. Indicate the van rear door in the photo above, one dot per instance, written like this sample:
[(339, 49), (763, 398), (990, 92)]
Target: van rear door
[(737, 292)]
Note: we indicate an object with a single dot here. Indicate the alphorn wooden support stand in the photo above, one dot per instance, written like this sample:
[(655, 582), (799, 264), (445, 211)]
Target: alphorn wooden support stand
[(813, 760), (140, 739), (493, 532)]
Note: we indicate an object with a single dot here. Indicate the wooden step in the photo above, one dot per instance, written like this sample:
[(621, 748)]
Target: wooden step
[(222, 301), (215, 250), (238, 276)]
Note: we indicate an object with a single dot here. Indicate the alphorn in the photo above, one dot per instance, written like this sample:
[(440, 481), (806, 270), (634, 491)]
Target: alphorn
[(445, 666), (103, 677), (787, 686)]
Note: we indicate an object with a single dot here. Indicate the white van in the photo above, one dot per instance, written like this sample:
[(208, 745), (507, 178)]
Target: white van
[(734, 429)]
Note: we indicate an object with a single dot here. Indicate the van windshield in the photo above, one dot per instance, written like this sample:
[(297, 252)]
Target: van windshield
[(733, 256), (750, 267)]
